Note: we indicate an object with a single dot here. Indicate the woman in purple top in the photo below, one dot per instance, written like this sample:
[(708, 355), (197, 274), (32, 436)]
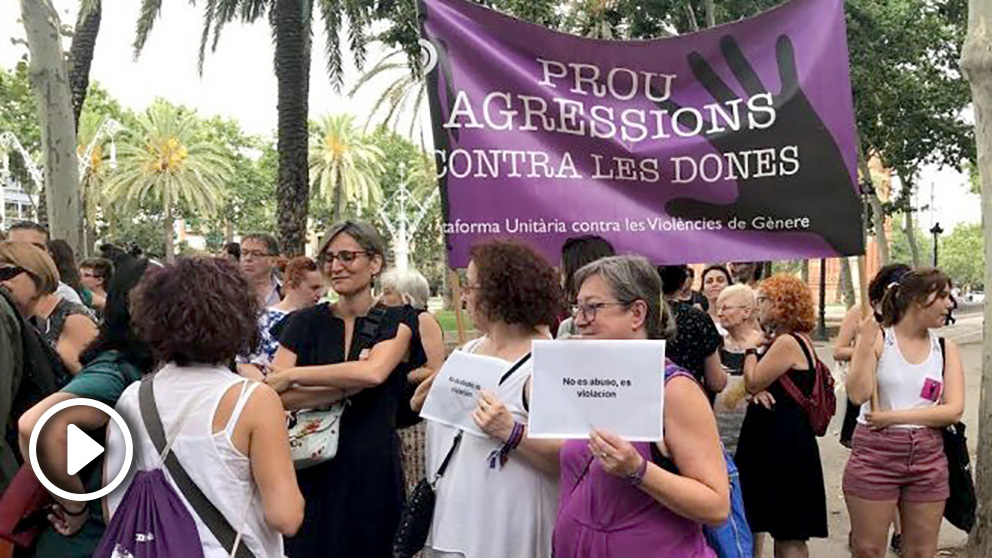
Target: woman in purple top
[(620, 499)]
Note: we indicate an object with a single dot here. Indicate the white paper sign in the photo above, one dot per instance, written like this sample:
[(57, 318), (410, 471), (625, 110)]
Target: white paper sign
[(455, 392), (581, 385)]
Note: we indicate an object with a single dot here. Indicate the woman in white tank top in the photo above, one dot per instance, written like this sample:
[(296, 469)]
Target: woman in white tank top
[(498, 495), (897, 460), (230, 434)]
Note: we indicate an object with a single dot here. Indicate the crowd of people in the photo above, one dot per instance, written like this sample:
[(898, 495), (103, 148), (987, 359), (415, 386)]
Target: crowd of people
[(236, 353)]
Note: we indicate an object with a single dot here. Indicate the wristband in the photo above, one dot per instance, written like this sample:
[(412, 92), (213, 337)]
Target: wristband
[(501, 454), (85, 508), (636, 477)]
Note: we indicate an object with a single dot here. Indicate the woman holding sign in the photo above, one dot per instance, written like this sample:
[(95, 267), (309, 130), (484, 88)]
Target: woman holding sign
[(496, 498), (640, 499), (777, 455)]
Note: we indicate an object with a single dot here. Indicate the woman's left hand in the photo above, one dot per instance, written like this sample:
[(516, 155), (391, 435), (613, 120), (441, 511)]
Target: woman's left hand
[(492, 416), (616, 455), (279, 379), (67, 524), (878, 420)]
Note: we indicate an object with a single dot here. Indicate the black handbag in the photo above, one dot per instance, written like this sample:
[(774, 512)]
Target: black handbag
[(415, 521), (962, 503)]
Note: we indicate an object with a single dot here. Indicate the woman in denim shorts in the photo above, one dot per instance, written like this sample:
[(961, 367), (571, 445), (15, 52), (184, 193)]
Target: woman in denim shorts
[(898, 460)]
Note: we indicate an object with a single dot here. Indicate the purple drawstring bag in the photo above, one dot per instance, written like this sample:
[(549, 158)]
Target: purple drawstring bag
[(151, 522)]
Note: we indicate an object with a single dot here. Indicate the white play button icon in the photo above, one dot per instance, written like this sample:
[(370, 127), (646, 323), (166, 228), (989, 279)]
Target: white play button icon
[(81, 449)]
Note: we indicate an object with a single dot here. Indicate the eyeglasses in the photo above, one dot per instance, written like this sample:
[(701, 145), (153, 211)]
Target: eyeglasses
[(588, 309), (471, 287), (9, 272), (255, 254), (344, 256)]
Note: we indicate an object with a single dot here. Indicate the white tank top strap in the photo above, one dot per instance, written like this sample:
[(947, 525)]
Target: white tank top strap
[(247, 388), (473, 345)]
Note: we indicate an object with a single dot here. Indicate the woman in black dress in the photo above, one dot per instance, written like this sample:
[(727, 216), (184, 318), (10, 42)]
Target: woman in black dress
[(353, 501), (777, 455)]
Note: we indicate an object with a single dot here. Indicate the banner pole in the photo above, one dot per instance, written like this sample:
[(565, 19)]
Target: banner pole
[(456, 301), (866, 311)]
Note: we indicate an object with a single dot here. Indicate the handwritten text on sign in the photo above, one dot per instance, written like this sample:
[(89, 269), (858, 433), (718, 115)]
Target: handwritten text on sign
[(455, 392), (579, 385)]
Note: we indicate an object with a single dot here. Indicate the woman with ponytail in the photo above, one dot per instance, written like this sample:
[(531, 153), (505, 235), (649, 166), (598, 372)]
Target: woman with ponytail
[(898, 461)]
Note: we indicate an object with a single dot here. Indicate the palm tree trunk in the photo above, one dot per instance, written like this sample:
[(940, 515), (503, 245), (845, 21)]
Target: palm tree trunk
[(80, 60), (81, 55), (337, 194), (292, 60), (170, 253)]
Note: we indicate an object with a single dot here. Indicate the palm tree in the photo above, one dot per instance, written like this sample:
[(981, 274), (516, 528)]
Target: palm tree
[(96, 173), (165, 162), (345, 165), (81, 52), (292, 22), (405, 88)]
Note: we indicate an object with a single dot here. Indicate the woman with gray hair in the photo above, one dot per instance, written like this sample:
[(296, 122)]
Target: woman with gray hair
[(405, 286), (640, 499)]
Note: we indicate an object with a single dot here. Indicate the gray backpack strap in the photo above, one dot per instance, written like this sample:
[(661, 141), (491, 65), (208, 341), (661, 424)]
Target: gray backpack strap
[(208, 513)]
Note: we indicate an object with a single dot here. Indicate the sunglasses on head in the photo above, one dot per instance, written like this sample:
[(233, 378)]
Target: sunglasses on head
[(11, 271)]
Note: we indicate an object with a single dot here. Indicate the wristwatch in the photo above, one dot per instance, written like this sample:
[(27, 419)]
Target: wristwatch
[(751, 351)]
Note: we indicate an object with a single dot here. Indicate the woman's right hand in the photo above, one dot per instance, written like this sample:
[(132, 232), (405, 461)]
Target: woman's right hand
[(764, 399), (869, 329)]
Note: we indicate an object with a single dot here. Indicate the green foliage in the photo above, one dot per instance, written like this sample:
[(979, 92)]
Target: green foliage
[(974, 178), (908, 90), (402, 160), (167, 160), (899, 250), (344, 165), (19, 114), (335, 16), (962, 255), (249, 203)]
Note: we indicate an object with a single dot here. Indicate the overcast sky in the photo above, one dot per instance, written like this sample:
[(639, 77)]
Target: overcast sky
[(238, 80)]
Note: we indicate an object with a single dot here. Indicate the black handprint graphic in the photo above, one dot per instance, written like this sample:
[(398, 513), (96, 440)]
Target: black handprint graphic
[(820, 189)]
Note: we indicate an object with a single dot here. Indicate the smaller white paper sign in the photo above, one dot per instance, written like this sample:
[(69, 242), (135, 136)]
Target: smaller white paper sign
[(455, 392), (585, 384)]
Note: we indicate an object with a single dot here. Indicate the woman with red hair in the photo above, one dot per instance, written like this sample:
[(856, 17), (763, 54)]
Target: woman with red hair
[(777, 455)]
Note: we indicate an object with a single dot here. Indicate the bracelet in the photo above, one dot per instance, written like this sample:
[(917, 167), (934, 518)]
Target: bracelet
[(501, 454), (75, 514), (636, 477)]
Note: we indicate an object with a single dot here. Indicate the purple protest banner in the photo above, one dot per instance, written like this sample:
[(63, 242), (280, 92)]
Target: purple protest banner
[(733, 143)]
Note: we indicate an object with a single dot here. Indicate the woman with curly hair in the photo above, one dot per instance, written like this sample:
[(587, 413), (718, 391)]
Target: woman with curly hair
[(779, 461), (497, 496), (354, 348), (228, 432)]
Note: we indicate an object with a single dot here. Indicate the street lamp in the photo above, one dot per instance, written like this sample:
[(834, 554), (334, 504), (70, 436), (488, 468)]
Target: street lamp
[(936, 231)]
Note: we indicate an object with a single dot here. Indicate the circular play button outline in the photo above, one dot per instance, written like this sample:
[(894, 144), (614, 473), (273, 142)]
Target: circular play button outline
[(128, 450)]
